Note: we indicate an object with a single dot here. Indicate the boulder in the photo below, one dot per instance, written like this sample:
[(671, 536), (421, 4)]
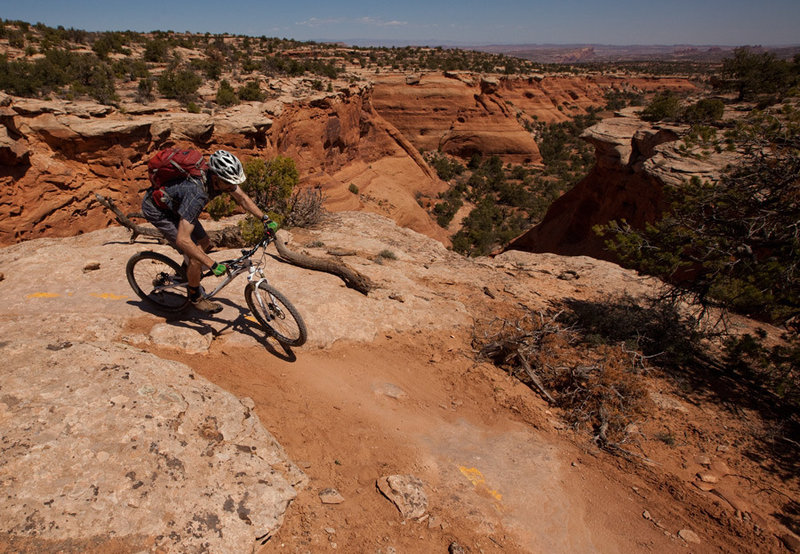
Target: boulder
[(102, 441), (12, 152)]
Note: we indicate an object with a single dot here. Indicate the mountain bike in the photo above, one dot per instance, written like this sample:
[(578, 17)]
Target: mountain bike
[(161, 282)]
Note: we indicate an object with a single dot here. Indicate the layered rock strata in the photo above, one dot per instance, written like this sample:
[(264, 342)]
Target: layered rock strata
[(634, 161)]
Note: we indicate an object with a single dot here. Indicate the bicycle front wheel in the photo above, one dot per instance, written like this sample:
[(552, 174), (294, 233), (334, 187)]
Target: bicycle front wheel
[(158, 280), (276, 314)]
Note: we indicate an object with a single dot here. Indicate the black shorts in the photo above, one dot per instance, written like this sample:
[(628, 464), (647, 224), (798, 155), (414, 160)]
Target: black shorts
[(167, 221)]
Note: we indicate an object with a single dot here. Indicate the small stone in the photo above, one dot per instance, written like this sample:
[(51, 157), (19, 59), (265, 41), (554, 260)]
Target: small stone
[(434, 522), (705, 487), (721, 468), (2, 276), (568, 275), (389, 389), (330, 530), (689, 536), (703, 460), (647, 515), (91, 266), (330, 496), (406, 492), (456, 548), (791, 541), (707, 477), (723, 448)]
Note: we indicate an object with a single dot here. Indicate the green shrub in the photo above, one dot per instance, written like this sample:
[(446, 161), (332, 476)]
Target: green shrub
[(221, 206), (156, 51), (251, 92), (445, 168), (180, 84), (226, 96), (353, 188), (707, 110), (665, 105), (270, 184), (144, 91)]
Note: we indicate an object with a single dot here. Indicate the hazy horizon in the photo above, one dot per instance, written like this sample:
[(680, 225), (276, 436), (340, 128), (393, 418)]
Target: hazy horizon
[(772, 23)]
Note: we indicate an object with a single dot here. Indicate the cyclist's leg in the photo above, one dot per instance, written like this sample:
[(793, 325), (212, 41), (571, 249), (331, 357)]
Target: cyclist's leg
[(195, 270), (194, 273)]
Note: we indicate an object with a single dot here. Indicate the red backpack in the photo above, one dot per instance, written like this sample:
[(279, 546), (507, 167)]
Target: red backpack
[(172, 164)]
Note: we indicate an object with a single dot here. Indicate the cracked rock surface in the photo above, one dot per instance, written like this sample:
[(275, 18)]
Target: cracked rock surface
[(108, 438)]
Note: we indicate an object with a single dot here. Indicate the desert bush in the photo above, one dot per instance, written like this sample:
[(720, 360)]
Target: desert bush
[(598, 389), (130, 69), (447, 208), (100, 84), (706, 110), (445, 168), (305, 207), (618, 99), (226, 96), (144, 90), (179, 84), (57, 69), (221, 206), (353, 188), (655, 327), (156, 51), (735, 243), (109, 42), (665, 105), (251, 92), (754, 73), (270, 184)]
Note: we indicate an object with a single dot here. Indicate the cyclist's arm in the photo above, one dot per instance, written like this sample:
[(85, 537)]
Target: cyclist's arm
[(186, 245), (241, 198)]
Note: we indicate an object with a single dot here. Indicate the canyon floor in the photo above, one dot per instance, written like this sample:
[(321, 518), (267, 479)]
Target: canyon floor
[(388, 384)]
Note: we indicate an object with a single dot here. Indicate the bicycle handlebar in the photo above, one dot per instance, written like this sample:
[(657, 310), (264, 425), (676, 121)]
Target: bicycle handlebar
[(268, 238)]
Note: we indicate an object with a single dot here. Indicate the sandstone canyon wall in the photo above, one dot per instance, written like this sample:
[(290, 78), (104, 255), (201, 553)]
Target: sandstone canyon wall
[(56, 154), (634, 161)]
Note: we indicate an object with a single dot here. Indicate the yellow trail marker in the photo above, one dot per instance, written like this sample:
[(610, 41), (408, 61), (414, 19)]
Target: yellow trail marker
[(43, 295), (479, 481), (108, 296)]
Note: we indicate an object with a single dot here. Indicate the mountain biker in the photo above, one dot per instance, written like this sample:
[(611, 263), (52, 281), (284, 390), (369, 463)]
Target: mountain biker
[(186, 198)]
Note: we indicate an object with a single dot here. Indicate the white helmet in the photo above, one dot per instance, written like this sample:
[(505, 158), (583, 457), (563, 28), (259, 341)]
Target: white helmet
[(227, 167)]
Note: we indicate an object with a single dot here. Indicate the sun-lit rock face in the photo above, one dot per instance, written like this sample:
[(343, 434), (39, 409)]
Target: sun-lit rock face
[(367, 137), (455, 115), (634, 161)]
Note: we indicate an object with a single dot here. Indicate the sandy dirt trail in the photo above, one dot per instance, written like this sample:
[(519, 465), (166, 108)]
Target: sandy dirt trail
[(356, 412)]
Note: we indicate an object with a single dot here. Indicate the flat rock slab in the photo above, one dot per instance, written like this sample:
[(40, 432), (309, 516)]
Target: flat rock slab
[(101, 440)]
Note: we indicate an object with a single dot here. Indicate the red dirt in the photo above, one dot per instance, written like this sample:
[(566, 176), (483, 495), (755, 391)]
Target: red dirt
[(418, 404)]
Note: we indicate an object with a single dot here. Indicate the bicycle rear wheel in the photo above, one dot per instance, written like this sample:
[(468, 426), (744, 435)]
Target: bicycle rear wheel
[(158, 280), (276, 314)]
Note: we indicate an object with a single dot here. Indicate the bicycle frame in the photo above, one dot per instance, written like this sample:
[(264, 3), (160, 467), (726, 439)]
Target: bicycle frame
[(242, 264), (239, 265)]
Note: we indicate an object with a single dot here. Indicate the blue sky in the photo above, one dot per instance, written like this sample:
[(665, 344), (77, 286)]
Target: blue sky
[(724, 22)]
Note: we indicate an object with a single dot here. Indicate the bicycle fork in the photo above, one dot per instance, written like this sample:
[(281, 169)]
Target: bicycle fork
[(261, 279)]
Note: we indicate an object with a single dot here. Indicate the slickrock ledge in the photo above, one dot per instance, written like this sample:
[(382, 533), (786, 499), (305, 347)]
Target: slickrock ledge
[(104, 442)]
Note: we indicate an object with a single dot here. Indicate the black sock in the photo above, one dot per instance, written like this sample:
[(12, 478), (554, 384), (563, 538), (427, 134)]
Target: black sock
[(194, 293)]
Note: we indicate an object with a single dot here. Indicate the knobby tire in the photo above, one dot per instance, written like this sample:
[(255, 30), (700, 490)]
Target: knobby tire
[(285, 323), (147, 271)]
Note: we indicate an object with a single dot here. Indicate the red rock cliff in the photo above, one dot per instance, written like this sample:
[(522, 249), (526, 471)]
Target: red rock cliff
[(634, 160)]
